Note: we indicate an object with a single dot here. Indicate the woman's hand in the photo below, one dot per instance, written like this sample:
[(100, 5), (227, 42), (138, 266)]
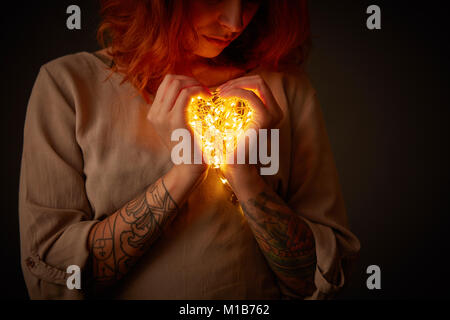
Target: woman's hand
[(168, 113), (267, 115)]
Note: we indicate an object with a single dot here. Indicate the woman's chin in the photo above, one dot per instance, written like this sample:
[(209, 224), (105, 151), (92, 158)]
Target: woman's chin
[(209, 53)]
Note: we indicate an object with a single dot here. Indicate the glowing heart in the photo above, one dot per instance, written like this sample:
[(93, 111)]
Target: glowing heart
[(218, 123)]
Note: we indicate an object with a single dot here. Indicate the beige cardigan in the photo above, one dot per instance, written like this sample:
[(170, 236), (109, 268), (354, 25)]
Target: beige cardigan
[(89, 149)]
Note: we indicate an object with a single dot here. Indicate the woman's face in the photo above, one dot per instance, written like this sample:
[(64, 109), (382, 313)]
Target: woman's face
[(218, 22)]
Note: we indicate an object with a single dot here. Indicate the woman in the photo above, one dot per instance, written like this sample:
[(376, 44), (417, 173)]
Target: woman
[(98, 188)]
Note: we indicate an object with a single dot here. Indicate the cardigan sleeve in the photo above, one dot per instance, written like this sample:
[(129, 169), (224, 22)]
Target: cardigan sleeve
[(54, 212), (314, 191)]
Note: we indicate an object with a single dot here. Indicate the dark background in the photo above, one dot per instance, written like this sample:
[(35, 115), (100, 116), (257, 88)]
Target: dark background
[(384, 97)]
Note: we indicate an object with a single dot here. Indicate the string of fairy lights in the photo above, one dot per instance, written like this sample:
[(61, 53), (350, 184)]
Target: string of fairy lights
[(218, 123)]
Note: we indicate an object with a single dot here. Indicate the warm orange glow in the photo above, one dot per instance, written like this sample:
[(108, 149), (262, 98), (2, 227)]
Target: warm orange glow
[(218, 123)]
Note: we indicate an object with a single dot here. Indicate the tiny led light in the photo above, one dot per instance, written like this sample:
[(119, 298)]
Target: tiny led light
[(218, 123), (224, 181)]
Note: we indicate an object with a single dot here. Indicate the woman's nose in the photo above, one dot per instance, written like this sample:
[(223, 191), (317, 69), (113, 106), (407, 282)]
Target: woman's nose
[(231, 16)]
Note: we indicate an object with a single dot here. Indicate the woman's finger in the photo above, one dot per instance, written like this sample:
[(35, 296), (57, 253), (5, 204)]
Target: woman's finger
[(173, 92), (233, 81), (165, 84), (251, 83), (183, 99), (256, 83)]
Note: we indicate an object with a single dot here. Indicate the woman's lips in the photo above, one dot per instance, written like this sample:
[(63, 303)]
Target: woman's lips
[(217, 42)]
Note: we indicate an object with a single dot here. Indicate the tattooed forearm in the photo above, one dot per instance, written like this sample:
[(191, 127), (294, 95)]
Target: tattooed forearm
[(118, 241), (285, 240)]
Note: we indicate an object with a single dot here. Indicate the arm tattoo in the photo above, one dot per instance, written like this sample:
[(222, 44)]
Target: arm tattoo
[(285, 240), (118, 241)]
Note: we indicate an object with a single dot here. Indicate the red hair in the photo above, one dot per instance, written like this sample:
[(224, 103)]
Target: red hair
[(145, 38)]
